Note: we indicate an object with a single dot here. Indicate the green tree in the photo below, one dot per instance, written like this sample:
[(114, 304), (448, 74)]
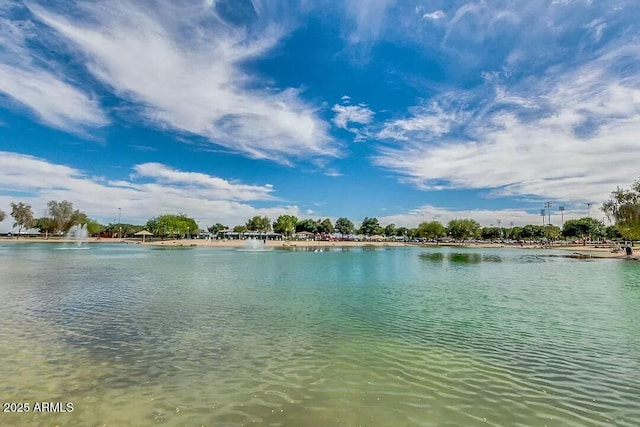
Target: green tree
[(514, 233), (167, 225), (123, 230), (240, 229), (215, 229), (45, 226), (62, 215), (308, 225), (344, 226), (325, 226), (431, 230), (624, 209), (22, 215), (259, 223), (77, 218), (583, 228), (390, 230), (370, 226), (491, 233), (403, 231), (552, 232), (94, 227), (286, 225), (2, 215), (611, 232), (131, 229), (152, 225), (189, 223), (531, 231), (463, 229)]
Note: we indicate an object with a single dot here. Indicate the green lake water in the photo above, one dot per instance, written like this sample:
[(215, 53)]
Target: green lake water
[(136, 336)]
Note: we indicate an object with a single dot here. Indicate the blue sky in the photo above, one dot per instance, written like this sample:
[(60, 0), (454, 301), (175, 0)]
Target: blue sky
[(407, 111)]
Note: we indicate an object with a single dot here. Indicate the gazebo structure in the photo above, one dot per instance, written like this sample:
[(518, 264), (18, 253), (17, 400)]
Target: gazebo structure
[(143, 233)]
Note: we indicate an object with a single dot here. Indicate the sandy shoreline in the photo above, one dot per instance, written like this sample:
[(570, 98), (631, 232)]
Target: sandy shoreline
[(578, 251)]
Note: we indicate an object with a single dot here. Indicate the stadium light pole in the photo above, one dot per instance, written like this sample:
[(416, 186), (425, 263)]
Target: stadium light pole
[(548, 206)]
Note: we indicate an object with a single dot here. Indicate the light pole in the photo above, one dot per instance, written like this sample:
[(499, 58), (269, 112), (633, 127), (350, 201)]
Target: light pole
[(120, 223), (542, 214), (561, 208), (548, 206), (589, 209)]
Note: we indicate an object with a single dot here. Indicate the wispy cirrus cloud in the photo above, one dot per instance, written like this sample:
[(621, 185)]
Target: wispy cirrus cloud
[(369, 19), (24, 80), (184, 68), (54, 101), (574, 148), (345, 114), (353, 118), (429, 121), (152, 189), (435, 16), (202, 184), (332, 172), (555, 115)]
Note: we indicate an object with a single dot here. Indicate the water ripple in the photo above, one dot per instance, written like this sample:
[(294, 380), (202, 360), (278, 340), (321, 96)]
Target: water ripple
[(394, 337)]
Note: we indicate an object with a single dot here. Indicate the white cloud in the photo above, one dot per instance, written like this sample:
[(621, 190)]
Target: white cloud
[(369, 18), (348, 117), (55, 101), (153, 189), (332, 172), (503, 96), (435, 16), (579, 143), (597, 27), (425, 122), (345, 114), (202, 184), (184, 69)]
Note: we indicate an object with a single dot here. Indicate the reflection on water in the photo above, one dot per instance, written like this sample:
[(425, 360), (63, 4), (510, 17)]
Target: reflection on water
[(316, 249), (462, 258), (135, 336), (171, 248), (475, 257)]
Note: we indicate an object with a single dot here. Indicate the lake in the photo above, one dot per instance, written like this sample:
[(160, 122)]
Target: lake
[(407, 336)]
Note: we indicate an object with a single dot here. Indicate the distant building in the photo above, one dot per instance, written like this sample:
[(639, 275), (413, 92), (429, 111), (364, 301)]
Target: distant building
[(304, 235)]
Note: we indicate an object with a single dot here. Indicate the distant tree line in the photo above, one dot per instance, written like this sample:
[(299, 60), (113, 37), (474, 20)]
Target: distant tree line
[(457, 229), (173, 226), (623, 208), (59, 218)]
